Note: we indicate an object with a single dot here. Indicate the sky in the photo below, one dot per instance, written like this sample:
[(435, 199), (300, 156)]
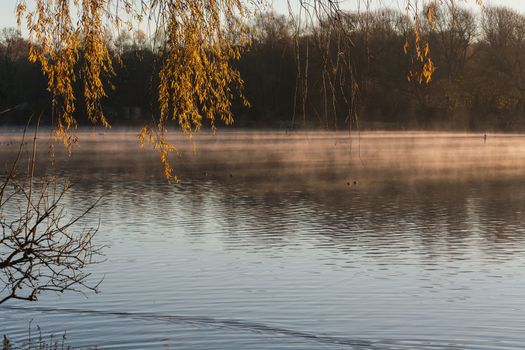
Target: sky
[(7, 7)]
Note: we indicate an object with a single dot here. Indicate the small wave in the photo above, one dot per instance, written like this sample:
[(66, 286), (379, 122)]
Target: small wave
[(222, 322)]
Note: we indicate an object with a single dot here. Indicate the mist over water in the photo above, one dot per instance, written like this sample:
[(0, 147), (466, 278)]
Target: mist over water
[(376, 240), (322, 159)]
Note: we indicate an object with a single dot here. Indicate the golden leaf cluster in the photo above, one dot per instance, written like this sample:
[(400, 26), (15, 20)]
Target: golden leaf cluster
[(197, 81), (60, 32)]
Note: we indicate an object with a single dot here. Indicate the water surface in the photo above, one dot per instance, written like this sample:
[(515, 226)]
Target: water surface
[(297, 241)]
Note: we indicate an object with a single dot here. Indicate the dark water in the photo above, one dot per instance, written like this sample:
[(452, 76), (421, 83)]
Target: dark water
[(269, 244)]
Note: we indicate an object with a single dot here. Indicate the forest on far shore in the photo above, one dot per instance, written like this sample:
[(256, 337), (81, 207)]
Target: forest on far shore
[(325, 77)]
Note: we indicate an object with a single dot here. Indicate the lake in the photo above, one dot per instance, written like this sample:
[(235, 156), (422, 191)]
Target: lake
[(371, 240)]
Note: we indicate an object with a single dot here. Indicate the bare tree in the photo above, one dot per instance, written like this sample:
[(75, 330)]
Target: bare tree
[(453, 29), (41, 248)]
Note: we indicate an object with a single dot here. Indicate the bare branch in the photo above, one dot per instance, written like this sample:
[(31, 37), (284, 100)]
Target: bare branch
[(42, 247)]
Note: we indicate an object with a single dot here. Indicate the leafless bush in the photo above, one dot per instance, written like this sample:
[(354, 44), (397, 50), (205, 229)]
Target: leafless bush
[(42, 247), (37, 341)]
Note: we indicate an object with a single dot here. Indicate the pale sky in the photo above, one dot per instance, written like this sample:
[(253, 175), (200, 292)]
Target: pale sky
[(7, 7)]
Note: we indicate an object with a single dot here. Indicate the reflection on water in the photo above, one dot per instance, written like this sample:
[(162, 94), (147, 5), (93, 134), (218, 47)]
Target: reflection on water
[(269, 243)]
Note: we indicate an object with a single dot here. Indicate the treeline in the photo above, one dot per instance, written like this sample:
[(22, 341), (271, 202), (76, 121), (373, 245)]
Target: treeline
[(350, 71)]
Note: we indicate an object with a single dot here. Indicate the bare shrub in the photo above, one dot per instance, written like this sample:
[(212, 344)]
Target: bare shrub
[(42, 247)]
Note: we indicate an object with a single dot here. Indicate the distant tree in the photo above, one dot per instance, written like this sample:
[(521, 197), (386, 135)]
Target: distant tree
[(269, 72), (501, 62), (452, 32)]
